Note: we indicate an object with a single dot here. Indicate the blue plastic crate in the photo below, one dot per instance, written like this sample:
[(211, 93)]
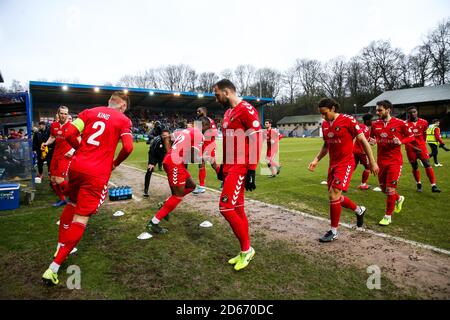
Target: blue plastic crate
[(9, 196)]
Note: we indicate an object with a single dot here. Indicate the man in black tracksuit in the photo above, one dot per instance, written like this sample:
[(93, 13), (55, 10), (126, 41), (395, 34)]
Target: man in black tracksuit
[(39, 138), (156, 153)]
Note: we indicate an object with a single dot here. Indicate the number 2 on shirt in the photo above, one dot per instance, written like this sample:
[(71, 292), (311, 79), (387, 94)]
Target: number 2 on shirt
[(98, 124)]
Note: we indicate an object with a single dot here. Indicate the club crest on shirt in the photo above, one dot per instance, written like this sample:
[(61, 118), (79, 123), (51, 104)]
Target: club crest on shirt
[(394, 183), (224, 199), (393, 129), (337, 128), (337, 181)]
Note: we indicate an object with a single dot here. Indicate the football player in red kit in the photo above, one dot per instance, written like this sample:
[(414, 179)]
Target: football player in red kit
[(208, 150), (90, 169), (417, 150), (62, 154), (360, 155), (390, 133), (272, 137), (185, 149), (242, 139), (339, 131)]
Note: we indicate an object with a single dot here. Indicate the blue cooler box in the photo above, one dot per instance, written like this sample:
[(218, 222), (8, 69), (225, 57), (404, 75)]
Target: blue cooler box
[(9, 196)]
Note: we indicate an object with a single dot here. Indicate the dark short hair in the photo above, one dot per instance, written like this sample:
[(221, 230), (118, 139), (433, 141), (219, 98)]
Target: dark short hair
[(435, 120), (411, 108), (367, 117), (205, 121), (203, 108), (165, 130), (268, 120), (225, 84), (42, 123), (328, 103), (386, 104)]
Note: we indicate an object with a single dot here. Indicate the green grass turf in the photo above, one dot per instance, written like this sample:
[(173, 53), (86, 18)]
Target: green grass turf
[(424, 217), (186, 263)]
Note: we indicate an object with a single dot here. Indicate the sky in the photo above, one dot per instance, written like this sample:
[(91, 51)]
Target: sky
[(98, 41)]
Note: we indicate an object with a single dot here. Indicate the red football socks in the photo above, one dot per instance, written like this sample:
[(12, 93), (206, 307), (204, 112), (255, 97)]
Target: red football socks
[(416, 174), (430, 175), (347, 203), (239, 227), (202, 176), (365, 176), (65, 221), (72, 237), (335, 212), (168, 206)]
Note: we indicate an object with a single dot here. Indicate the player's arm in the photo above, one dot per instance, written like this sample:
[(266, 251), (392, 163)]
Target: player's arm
[(368, 150), (322, 153), (437, 134), (127, 148), (49, 141), (72, 134)]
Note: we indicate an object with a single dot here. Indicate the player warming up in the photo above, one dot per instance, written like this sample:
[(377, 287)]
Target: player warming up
[(185, 149), (339, 130), (272, 137), (242, 139), (89, 172), (360, 155), (390, 133), (62, 154), (208, 150), (417, 149)]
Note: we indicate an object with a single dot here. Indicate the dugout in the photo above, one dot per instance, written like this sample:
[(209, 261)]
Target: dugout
[(46, 97), (16, 154)]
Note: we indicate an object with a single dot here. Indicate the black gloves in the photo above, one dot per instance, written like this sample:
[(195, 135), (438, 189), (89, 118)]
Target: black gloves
[(442, 145), (220, 173), (250, 180)]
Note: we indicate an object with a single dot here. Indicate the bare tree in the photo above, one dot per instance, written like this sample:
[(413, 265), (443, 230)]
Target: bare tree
[(206, 81), (333, 78), (291, 83), (438, 47), (126, 81), (268, 83), (308, 72), (420, 66), (383, 65), (16, 86), (244, 75)]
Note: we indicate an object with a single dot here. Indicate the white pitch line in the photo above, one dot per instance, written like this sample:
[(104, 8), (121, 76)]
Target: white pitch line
[(346, 225)]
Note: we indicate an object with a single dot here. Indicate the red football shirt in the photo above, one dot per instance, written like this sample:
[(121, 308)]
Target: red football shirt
[(419, 129), (61, 145), (384, 133), (339, 135), (184, 140), (103, 128), (211, 134), (272, 137), (240, 126), (358, 149)]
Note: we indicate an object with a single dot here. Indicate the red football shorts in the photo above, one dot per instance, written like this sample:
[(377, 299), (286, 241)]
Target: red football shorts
[(177, 174), (339, 176), (389, 175), (87, 192), (363, 159), (59, 167), (413, 156), (233, 191)]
